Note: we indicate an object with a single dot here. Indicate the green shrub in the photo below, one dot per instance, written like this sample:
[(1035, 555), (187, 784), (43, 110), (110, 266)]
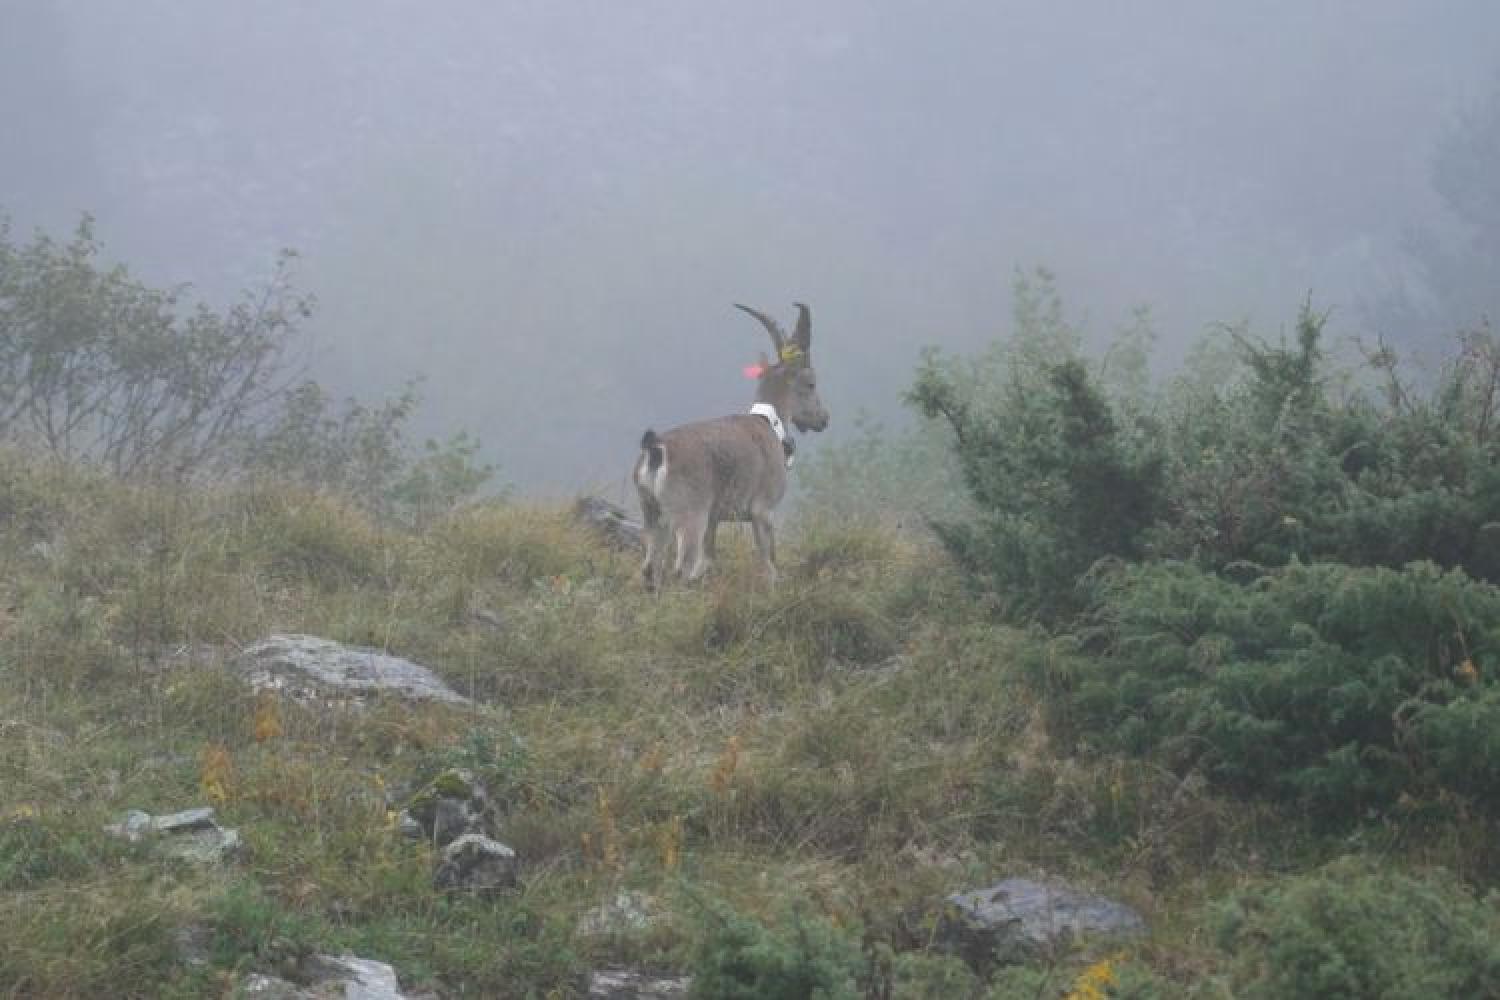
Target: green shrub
[(1059, 481), (1348, 931), (1341, 687), (1283, 456), (799, 958), (1257, 452)]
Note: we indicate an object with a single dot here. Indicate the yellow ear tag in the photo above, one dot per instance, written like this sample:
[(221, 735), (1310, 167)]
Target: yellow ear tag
[(790, 352)]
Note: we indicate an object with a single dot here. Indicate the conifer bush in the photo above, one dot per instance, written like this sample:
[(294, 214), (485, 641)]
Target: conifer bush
[(1348, 931), (1059, 476), (1340, 687), (803, 956), (1256, 454), (1273, 569)]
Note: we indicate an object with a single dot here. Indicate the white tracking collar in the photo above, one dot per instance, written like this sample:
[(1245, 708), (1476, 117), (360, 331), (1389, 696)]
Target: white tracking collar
[(774, 419)]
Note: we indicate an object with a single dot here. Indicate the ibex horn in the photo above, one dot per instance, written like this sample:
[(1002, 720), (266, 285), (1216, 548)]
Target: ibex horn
[(802, 336), (778, 336)]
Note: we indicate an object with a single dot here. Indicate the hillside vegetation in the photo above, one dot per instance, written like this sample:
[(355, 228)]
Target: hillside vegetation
[(1222, 647)]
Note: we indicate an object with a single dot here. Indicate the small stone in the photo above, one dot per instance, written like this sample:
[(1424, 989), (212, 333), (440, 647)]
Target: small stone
[(627, 913), (132, 826), (488, 618), (201, 818), (453, 804), (327, 977), (204, 847), (475, 863), (632, 984), (609, 522), (261, 987), (360, 978)]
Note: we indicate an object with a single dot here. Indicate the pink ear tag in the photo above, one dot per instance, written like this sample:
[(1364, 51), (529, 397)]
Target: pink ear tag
[(754, 371)]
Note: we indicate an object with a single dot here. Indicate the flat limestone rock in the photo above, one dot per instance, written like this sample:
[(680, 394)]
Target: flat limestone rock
[(309, 667), (190, 835), (201, 818), (204, 847)]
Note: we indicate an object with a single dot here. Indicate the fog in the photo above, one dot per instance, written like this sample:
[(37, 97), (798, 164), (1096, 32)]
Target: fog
[(546, 209)]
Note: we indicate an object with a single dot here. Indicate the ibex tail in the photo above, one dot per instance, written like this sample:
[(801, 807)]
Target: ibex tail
[(651, 468), (655, 453)]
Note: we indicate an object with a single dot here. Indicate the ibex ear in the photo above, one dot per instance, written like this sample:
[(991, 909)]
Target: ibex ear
[(802, 335), (758, 369)]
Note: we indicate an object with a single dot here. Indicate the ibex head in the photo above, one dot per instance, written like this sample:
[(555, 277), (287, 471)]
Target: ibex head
[(790, 384)]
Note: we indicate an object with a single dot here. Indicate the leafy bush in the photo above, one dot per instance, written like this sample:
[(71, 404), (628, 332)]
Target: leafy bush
[(98, 367), (1344, 688), (1348, 931)]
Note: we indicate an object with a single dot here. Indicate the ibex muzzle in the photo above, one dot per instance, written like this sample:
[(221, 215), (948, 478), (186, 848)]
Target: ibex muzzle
[(730, 468)]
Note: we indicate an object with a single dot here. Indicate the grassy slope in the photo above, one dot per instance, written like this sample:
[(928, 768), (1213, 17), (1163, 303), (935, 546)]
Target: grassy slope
[(858, 740)]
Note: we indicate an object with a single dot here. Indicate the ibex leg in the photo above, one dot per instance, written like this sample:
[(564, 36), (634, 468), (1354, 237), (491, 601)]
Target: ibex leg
[(690, 529), (700, 532), (765, 544), (654, 533)]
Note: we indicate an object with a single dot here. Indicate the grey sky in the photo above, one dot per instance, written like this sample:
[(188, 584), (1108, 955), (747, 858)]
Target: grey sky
[(547, 207)]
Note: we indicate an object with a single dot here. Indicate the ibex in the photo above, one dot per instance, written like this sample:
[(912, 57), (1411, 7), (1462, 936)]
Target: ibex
[(729, 468)]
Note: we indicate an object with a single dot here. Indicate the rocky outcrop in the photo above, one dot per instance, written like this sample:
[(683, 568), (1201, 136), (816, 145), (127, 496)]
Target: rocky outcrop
[(309, 668), (1018, 920)]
